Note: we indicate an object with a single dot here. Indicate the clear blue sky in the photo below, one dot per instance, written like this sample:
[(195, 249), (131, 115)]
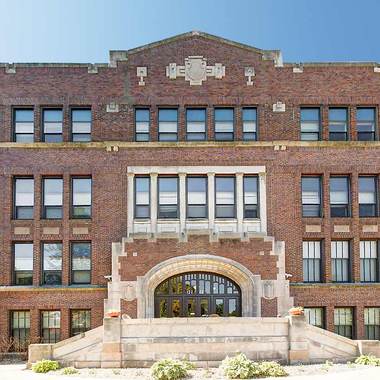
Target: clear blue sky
[(85, 30)]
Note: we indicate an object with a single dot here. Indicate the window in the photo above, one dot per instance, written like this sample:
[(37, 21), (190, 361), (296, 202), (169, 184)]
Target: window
[(225, 197), (168, 198), (338, 124), (315, 316), (23, 125), (81, 197), (195, 124), (224, 124), (168, 124), (52, 125), (372, 323), (340, 261), (142, 124), (311, 197), (196, 197), (343, 324), (311, 253), (339, 197), (310, 124), (53, 198), (52, 263), (23, 198), (20, 329), (250, 186), (366, 123), (142, 197), (369, 265), (80, 321), (51, 326), (249, 124), (81, 263), (367, 196), (81, 124), (23, 263)]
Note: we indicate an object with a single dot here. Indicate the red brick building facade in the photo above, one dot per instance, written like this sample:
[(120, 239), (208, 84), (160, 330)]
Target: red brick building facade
[(285, 163)]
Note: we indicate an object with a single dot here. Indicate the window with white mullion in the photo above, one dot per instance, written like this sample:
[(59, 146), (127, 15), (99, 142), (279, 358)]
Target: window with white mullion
[(225, 197), (250, 187), (196, 197), (343, 322), (23, 125), (339, 196), (167, 124), (311, 253), (142, 197), (168, 205), (340, 261), (224, 124), (311, 196), (196, 124), (142, 124), (367, 196), (369, 266), (23, 263), (52, 125), (81, 124), (366, 124), (249, 123), (372, 323), (315, 316), (23, 198), (52, 198), (338, 124), (310, 124)]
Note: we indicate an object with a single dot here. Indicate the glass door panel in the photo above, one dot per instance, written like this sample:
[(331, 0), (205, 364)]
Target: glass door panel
[(219, 306), (176, 309), (204, 307), (190, 307)]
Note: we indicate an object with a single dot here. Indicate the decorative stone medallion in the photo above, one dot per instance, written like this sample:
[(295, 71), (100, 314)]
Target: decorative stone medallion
[(249, 72), (268, 289), (195, 70), (141, 72)]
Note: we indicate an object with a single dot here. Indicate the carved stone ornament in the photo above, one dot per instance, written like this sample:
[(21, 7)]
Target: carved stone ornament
[(141, 72), (249, 72), (268, 289), (195, 70)]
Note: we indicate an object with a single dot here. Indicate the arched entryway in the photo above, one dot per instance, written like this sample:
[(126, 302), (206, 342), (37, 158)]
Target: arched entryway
[(197, 294)]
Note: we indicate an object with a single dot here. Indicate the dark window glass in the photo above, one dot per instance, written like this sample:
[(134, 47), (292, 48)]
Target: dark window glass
[(224, 124), (23, 125), (250, 186), (196, 197), (20, 329), (225, 197), (53, 198), (369, 264), (81, 263), (52, 263), (52, 125), (81, 198), (311, 252), (23, 263), (315, 316), (338, 124), (142, 124), (310, 124), (80, 321), (339, 197), (366, 123), (249, 124), (372, 323), (51, 326), (367, 196), (142, 197), (168, 198), (196, 124), (81, 124), (343, 323), (340, 261), (311, 197), (168, 124), (23, 198)]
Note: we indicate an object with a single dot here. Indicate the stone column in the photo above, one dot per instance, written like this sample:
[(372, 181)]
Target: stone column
[(211, 200), (239, 201), (263, 202), (130, 201), (153, 202), (182, 201)]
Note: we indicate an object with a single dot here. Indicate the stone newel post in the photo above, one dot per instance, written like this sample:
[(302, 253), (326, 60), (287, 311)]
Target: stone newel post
[(298, 344)]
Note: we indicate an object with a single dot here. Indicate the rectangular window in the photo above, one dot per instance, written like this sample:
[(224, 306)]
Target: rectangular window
[(142, 124), (196, 124), (81, 121), (20, 329), (52, 125), (339, 197), (310, 124), (52, 263), (343, 322), (315, 316), (369, 265), (168, 198), (367, 196), (142, 197), (23, 198), (372, 323), (225, 197), (311, 253), (338, 124), (23, 125), (168, 124), (311, 196), (81, 263), (366, 124), (196, 197), (224, 124), (250, 186), (81, 197), (52, 198), (80, 321), (340, 261), (249, 124), (23, 263), (51, 326)]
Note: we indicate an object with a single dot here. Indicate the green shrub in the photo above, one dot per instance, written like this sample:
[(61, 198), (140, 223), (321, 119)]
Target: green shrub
[(368, 360), (271, 369), (170, 369), (69, 371), (44, 366)]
